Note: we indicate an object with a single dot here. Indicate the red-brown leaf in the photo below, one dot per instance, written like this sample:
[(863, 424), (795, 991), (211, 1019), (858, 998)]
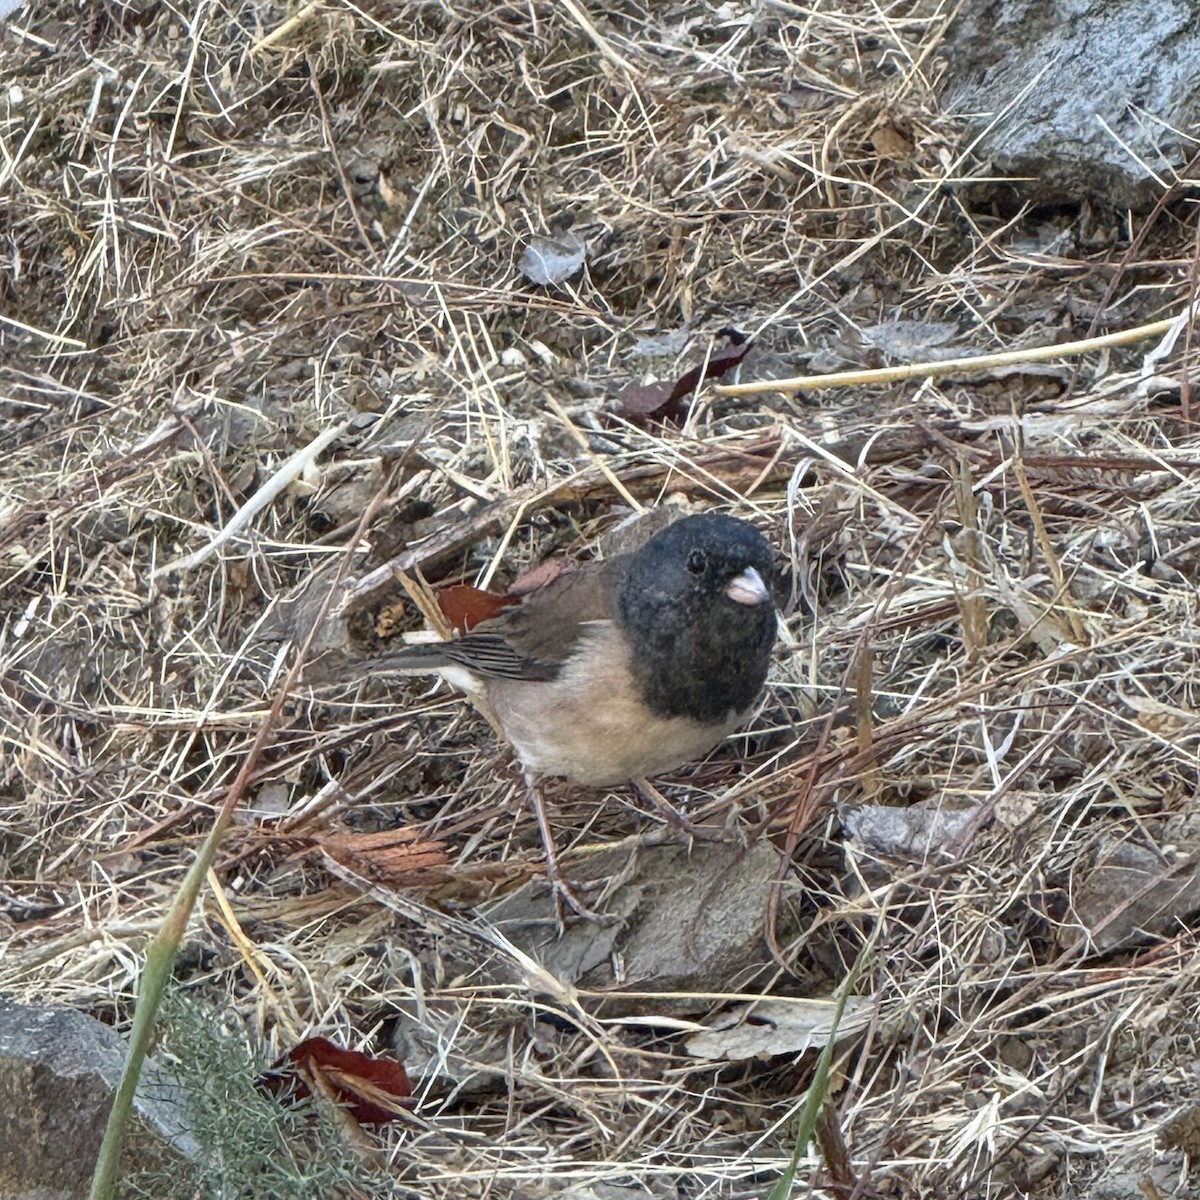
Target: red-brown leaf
[(465, 606), (374, 1090), (664, 400)]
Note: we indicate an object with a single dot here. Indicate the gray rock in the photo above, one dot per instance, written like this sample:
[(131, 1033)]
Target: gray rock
[(924, 830), (684, 919), (1130, 892), (58, 1072), (1162, 1178), (1131, 65), (651, 1190), (552, 260)]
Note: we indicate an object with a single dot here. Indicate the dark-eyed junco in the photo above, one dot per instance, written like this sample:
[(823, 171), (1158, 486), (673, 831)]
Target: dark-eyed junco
[(625, 668)]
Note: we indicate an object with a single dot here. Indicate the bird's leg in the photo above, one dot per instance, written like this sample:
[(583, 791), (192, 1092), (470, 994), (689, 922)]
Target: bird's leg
[(559, 887)]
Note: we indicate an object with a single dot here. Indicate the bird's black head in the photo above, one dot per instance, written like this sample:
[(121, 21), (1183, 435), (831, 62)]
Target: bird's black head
[(697, 609)]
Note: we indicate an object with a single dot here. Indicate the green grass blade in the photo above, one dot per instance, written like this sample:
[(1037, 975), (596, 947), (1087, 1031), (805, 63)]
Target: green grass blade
[(818, 1090)]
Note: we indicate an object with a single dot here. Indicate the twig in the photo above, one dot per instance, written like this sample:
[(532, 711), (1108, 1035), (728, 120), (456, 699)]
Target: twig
[(287, 474), (293, 22), (952, 366)]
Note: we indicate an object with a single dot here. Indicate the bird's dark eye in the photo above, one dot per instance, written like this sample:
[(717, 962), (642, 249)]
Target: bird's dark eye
[(697, 562)]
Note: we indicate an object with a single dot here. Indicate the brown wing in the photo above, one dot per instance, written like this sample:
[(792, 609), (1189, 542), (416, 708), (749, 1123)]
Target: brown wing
[(533, 639)]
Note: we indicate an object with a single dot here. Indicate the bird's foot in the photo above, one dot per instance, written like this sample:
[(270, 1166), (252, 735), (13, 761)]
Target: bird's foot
[(677, 820), (566, 897)]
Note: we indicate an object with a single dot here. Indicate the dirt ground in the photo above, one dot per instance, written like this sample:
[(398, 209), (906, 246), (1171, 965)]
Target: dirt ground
[(229, 230)]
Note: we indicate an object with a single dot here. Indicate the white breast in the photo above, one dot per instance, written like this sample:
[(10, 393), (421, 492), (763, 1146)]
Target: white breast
[(601, 734)]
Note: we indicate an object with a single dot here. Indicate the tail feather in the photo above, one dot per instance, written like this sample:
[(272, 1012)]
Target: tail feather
[(422, 658)]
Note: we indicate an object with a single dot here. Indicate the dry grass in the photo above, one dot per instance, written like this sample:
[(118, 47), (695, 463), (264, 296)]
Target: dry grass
[(228, 229)]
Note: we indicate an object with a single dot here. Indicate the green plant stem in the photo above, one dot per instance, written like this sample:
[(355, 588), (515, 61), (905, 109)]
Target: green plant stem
[(160, 958), (818, 1090)]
